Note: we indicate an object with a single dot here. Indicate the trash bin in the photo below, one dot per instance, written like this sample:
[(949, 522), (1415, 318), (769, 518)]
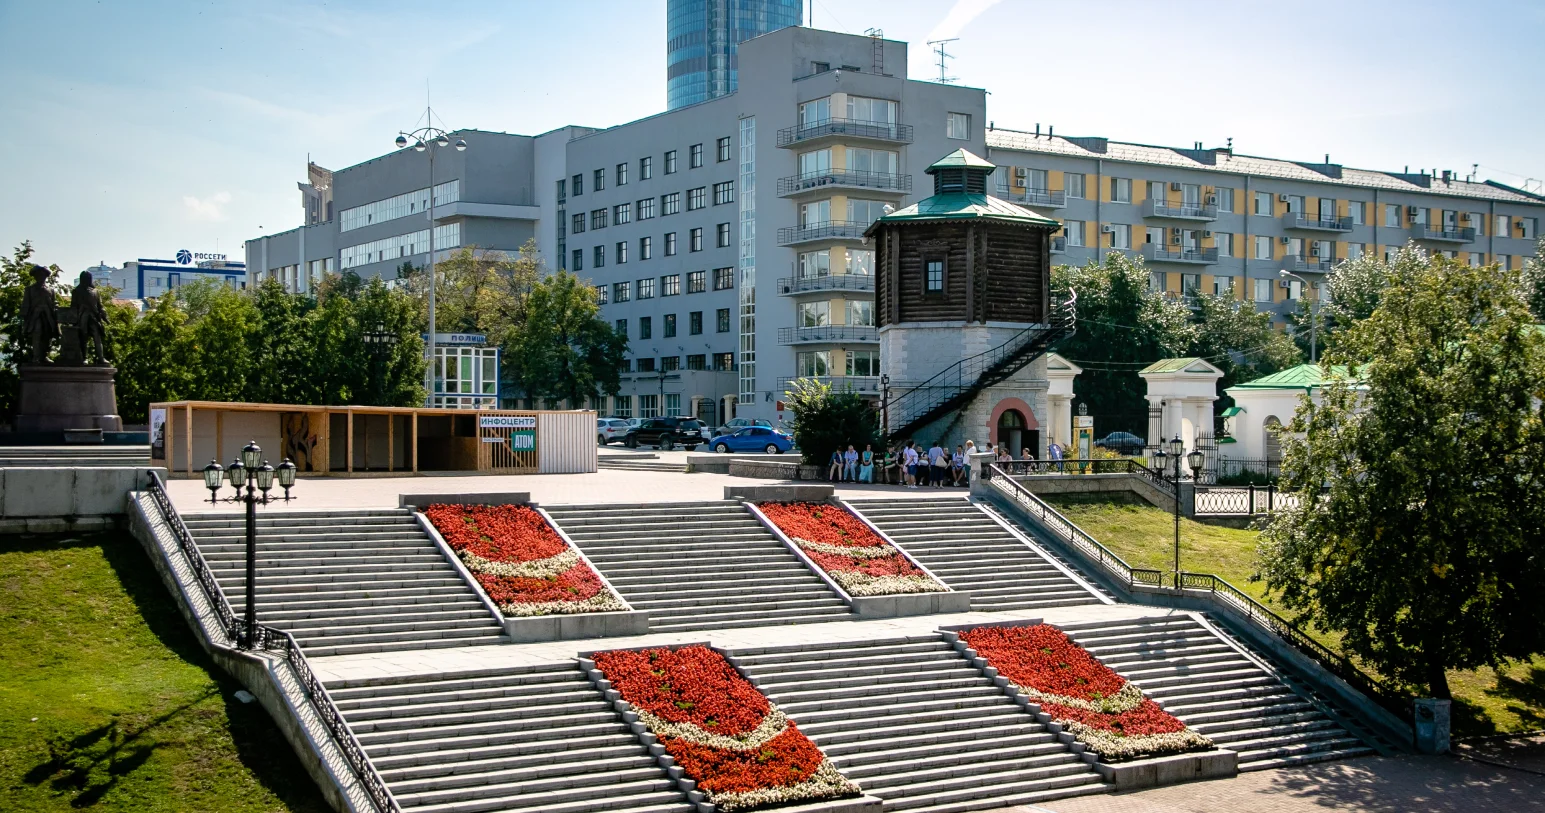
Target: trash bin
[(1431, 726)]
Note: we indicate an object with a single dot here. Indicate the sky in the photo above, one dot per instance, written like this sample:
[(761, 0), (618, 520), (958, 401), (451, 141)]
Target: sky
[(139, 127)]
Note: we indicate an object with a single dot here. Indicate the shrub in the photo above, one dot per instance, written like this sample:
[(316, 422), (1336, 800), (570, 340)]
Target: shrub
[(825, 420)]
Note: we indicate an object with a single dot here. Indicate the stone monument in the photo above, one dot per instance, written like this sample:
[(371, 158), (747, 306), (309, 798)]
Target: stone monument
[(69, 394)]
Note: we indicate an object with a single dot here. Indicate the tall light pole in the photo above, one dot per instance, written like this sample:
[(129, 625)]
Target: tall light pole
[(252, 471), (1195, 460), (1314, 316), (423, 139)]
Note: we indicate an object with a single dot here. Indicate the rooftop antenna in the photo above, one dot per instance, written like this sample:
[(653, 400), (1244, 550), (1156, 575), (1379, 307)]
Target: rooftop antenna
[(944, 77)]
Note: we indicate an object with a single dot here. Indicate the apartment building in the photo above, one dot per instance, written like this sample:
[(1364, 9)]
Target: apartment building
[(1214, 221)]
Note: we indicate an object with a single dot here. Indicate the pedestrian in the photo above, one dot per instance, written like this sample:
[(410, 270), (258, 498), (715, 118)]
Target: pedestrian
[(834, 471), (1028, 459), (890, 473), (866, 465), (850, 465), (970, 450), (938, 463), (958, 465), (909, 464), (1003, 455)]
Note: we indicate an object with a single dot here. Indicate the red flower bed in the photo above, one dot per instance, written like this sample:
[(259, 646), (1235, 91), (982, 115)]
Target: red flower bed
[(850, 552), (725, 735), (1100, 708), (503, 533)]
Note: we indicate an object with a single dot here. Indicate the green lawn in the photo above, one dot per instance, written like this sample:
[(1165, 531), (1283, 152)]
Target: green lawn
[(107, 702), (1484, 701)]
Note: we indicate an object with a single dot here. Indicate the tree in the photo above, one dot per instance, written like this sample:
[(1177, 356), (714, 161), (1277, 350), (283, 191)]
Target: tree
[(221, 327), (284, 352), (156, 359), (1534, 282), (1241, 341), (826, 420), (478, 291), (1425, 548), (1351, 293), (562, 348), (15, 344)]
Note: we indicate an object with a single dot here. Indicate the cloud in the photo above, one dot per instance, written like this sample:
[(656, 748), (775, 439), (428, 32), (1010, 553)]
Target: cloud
[(960, 16), (210, 209)]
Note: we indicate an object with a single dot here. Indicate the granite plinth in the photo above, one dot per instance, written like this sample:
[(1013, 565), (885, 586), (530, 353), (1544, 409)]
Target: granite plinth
[(57, 397)]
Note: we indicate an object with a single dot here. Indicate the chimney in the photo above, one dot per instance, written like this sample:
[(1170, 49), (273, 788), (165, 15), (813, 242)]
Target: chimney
[(1048, 131), (1037, 129)]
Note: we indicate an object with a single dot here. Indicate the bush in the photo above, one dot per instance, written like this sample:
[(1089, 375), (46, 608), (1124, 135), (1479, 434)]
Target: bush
[(825, 421)]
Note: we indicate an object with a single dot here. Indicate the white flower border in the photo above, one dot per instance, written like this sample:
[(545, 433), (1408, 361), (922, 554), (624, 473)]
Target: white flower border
[(863, 584), (1109, 744), (606, 601)]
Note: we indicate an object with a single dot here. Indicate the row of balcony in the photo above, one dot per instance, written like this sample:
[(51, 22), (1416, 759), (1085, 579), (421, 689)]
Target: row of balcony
[(833, 180), (861, 384), (884, 131), (828, 333), (789, 286), (824, 230)]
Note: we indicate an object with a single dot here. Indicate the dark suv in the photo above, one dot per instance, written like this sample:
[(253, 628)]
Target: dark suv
[(667, 433)]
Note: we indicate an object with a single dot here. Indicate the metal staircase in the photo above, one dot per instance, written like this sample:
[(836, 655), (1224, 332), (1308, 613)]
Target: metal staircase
[(954, 386)]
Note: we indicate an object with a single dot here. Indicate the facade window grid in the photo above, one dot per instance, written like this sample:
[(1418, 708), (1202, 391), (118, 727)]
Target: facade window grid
[(723, 279), (621, 291), (670, 244), (723, 192), (646, 288), (622, 405), (622, 173), (645, 327), (622, 330), (695, 156), (670, 285), (697, 282), (578, 226), (669, 327), (724, 362), (695, 239), (722, 235), (599, 258), (646, 209), (598, 219), (670, 162), (695, 323), (723, 147), (646, 168), (697, 362), (670, 364), (645, 248), (622, 251), (646, 402), (622, 213), (578, 182), (401, 246), (600, 181), (601, 292), (722, 320), (670, 203), (578, 263), (697, 198), (397, 206)]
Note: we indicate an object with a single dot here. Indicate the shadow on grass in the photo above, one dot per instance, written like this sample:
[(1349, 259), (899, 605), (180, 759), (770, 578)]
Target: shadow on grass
[(1528, 696), (91, 763)]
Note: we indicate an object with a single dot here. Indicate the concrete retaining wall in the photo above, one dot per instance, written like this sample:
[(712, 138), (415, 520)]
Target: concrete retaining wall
[(1097, 484), (59, 499), (419, 502)]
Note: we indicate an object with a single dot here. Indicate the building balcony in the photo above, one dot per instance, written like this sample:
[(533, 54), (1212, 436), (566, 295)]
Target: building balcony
[(1313, 265), (1308, 222), (836, 179), (827, 334), (1036, 198), (1190, 256), (1059, 245), (845, 129), (826, 230), (792, 286), (861, 384), (1449, 234), (1185, 211)]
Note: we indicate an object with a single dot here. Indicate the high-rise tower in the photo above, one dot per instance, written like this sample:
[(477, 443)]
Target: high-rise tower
[(701, 38)]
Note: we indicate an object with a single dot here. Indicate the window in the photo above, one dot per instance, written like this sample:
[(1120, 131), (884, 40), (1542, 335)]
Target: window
[(598, 219), (622, 173), (695, 239), (1155, 235), (1357, 210), (601, 294), (860, 312), (622, 406), (622, 213), (1499, 228), (814, 314), (1262, 290), (622, 291), (1477, 221), (695, 324), (670, 204), (882, 162), (697, 198), (1391, 215), (1225, 199), (672, 399), (695, 156), (1355, 251), (1324, 250), (876, 111), (1155, 281), (670, 162), (670, 285), (645, 327), (815, 163), (723, 192), (815, 213), (1295, 204), (579, 260), (646, 288), (723, 146), (815, 112), (670, 244), (600, 180), (697, 282), (1120, 235), (622, 251), (1223, 286), (1503, 260), (722, 320), (697, 362), (1156, 191), (1190, 284), (563, 186), (1389, 253), (1476, 260), (1527, 228), (1121, 190), (1262, 247), (646, 403), (1224, 242), (957, 125), (813, 363), (1263, 205), (723, 279), (578, 182), (863, 362), (1074, 231), (1418, 216), (722, 235), (724, 362), (670, 327), (1073, 184), (600, 257), (578, 226), (933, 277), (861, 261), (865, 211), (646, 209), (645, 248), (819, 67), (646, 168), (814, 264)]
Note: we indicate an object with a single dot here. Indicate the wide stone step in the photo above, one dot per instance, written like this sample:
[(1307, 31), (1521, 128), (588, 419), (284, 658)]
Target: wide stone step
[(534, 683), (354, 645), (455, 740), (713, 622), (374, 594), (764, 658), (452, 711), (469, 691), (780, 582), (579, 746), (544, 793), (384, 625), (458, 606), (371, 732), (856, 742), (547, 776)]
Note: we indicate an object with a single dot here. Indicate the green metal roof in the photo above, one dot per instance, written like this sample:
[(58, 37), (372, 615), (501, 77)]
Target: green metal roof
[(965, 206), (1175, 365), (961, 158), (1303, 377), (1232, 411)]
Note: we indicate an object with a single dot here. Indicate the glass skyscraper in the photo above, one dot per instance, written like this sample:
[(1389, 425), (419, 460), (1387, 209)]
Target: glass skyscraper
[(701, 37)]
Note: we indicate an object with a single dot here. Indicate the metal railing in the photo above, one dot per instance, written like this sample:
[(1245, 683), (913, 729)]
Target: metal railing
[(1185, 211), (1158, 254), (1303, 220), (1044, 198), (826, 282), (825, 230), (1246, 500), (1451, 234), (1072, 534), (1311, 264), (839, 383), (844, 177), (828, 333), (1074, 466), (272, 640), (882, 130)]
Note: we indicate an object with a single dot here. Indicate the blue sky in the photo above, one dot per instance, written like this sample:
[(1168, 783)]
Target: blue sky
[(137, 127)]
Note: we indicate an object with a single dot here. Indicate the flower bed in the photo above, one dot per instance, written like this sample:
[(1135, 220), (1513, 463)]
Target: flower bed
[(842, 545), (522, 563), (742, 752), (1101, 709)]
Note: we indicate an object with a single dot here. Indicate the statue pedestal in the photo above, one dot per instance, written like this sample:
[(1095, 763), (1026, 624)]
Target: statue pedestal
[(56, 397)]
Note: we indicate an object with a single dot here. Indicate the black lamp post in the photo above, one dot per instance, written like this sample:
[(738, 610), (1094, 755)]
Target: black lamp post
[(379, 344), (252, 471), (1195, 460)]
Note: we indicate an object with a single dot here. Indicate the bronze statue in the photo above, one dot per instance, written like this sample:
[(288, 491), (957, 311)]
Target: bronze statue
[(90, 317), (38, 315)]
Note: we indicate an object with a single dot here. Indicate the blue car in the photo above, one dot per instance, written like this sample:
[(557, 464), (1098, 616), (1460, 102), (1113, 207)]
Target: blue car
[(753, 439)]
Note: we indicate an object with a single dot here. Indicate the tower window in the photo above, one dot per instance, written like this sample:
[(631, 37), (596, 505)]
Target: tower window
[(933, 277)]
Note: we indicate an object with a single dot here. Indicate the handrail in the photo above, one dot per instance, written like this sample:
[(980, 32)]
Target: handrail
[(1256, 612), (273, 640), (1121, 465)]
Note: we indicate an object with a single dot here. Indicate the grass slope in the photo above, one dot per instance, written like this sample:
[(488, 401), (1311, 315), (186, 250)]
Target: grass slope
[(108, 703), (1485, 701)]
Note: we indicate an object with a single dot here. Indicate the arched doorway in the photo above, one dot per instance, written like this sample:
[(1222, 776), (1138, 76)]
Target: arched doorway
[(1271, 444), (1015, 434)]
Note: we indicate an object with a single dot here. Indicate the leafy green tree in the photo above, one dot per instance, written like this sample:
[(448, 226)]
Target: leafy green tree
[(1241, 341), (563, 348), (478, 291), (825, 420), (1425, 549), (156, 359), (221, 328), (1534, 282), (283, 351), (396, 376), (1351, 293)]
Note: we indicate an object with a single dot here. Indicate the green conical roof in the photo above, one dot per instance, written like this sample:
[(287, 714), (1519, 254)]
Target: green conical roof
[(959, 159)]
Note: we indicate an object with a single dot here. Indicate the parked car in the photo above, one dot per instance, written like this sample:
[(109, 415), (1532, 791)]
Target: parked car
[(608, 430), (1122, 443), (736, 424), (753, 439), (667, 433)]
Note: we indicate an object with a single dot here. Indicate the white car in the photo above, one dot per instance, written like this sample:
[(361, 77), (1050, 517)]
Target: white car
[(610, 430)]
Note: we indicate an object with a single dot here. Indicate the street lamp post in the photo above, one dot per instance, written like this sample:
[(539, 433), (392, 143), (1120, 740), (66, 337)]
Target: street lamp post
[(1195, 460), (1314, 316), (252, 471), (422, 139), (379, 343)]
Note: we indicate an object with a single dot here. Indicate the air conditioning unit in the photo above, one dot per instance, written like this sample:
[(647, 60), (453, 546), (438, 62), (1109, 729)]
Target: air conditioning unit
[(1412, 210), (1286, 240), (1175, 231), (1174, 239), (1285, 283), (1212, 200), (1283, 197), (1174, 186), (1108, 229), (1019, 176), (1206, 234), (1314, 251)]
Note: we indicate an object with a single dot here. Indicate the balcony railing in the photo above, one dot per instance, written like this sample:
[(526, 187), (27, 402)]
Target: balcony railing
[(1043, 198), (877, 130), (835, 178), (828, 333), (1450, 234), (1317, 265), (1185, 211), (1308, 222), (1059, 245), (840, 383), (789, 286), (1200, 256), (825, 230)]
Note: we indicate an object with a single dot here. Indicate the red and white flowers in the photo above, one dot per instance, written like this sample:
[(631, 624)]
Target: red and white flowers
[(525, 567), (853, 555), (740, 750), (1101, 709)]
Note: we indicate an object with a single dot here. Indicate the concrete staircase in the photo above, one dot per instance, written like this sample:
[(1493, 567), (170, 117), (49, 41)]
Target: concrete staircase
[(699, 566), (915, 725), (85, 456), (346, 581), (962, 545), (639, 463), (533, 738), (1218, 690)]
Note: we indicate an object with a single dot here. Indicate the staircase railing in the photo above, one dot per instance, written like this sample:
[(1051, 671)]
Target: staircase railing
[(955, 384), (1070, 466), (280, 642), (1117, 568)]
